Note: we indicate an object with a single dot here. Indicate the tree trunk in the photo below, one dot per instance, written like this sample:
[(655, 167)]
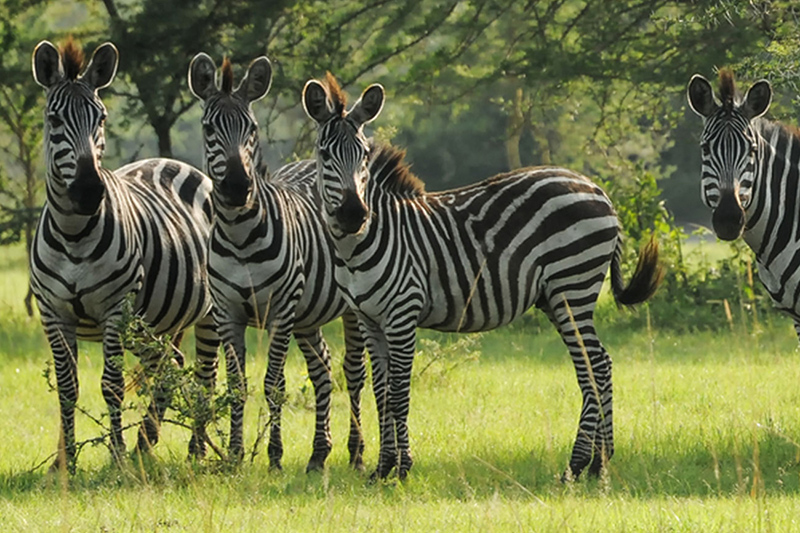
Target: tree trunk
[(540, 136), (164, 138), (516, 124)]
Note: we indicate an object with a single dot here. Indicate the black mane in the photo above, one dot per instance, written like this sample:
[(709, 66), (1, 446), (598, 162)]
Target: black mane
[(227, 76), (72, 59), (727, 89), (392, 172), (337, 95)]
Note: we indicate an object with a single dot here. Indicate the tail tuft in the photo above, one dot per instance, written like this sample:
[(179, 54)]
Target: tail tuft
[(646, 278)]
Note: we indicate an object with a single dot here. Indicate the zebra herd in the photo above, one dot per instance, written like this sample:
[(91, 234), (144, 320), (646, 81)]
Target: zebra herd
[(352, 234)]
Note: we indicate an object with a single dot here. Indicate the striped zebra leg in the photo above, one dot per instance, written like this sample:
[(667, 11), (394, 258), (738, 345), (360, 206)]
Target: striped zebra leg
[(355, 373), (572, 313), (402, 343), (275, 392), (318, 359), (233, 343), (113, 381), (379, 356), (205, 374), (64, 346)]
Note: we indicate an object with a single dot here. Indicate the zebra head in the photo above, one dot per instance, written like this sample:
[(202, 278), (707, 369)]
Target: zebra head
[(342, 151), (74, 119), (230, 130), (730, 148)]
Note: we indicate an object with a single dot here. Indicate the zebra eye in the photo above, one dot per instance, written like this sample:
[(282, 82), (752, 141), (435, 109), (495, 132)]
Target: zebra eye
[(705, 148), (208, 130), (55, 121), (324, 153)]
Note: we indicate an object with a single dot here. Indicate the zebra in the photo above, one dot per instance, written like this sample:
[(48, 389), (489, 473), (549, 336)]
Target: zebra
[(466, 260), (103, 235), (270, 261), (750, 179)]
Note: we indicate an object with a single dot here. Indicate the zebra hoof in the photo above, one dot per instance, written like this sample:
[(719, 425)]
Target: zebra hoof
[(197, 449), (62, 465), (145, 443), (357, 464), (316, 464)]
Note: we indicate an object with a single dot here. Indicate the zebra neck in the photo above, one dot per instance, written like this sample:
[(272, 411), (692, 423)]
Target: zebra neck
[(67, 225), (773, 216), (243, 226)]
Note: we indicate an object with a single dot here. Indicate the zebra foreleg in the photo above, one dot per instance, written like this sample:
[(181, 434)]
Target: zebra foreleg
[(65, 356), (113, 383), (207, 343), (402, 345), (235, 358), (379, 356), (275, 392), (355, 373), (318, 361)]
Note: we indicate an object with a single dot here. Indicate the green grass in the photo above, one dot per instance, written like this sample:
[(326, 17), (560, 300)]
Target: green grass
[(707, 432)]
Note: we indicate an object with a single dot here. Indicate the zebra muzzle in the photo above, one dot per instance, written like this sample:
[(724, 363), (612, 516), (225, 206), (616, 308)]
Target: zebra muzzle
[(87, 191), (728, 217), (351, 214)]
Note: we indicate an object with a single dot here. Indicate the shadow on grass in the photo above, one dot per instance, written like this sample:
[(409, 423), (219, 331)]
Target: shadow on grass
[(768, 467)]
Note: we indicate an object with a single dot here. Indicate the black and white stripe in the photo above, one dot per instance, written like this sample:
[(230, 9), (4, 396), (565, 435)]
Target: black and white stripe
[(751, 179), (469, 259), (270, 261), (103, 235)]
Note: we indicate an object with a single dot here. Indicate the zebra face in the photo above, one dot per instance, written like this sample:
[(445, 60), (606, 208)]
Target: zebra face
[(730, 149), (232, 153), (230, 130), (342, 152), (74, 122), (342, 169)]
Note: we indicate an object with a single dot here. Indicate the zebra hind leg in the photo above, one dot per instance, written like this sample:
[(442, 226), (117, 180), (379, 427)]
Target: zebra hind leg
[(573, 316), (318, 361), (154, 363)]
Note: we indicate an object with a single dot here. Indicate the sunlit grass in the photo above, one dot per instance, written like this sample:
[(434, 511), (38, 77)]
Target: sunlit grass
[(707, 432)]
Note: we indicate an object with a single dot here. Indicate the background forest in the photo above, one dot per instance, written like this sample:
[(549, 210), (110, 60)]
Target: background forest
[(474, 88)]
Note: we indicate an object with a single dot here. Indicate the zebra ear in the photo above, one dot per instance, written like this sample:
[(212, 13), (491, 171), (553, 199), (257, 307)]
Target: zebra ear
[(47, 67), (202, 71), (257, 81), (316, 101), (701, 96), (103, 66), (369, 106), (757, 99)]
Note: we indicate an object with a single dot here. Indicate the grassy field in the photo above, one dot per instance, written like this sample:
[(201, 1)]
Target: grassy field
[(707, 431)]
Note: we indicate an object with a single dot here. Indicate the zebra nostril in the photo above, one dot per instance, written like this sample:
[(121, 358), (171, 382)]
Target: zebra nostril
[(351, 214), (728, 217)]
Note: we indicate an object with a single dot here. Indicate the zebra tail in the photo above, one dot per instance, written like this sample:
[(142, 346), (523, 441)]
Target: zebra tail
[(646, 278)]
